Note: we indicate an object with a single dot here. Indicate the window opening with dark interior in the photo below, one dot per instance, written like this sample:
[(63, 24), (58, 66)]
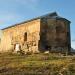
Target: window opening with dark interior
[(25, 36)]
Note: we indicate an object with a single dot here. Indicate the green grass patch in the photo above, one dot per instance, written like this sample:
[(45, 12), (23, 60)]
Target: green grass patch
[(36, 64)]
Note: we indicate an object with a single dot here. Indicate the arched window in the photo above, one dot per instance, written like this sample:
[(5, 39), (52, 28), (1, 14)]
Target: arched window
[(25, 36)]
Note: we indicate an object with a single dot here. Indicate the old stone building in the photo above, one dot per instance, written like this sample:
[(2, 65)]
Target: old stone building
[(49, 32)]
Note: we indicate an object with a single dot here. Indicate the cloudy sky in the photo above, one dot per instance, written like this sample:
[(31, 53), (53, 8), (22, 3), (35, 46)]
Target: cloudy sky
[(15, 11)]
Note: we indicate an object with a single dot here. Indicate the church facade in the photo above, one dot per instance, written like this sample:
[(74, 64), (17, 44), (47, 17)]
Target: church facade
[(46, 33)]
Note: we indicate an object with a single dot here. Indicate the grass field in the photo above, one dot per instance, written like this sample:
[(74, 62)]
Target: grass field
[(36, 64)]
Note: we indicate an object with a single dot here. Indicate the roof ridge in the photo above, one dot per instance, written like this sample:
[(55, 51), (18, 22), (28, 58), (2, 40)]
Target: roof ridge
[(49, 14)]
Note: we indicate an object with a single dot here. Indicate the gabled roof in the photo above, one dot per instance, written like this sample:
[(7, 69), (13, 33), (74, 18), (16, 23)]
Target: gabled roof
[(52, 15)]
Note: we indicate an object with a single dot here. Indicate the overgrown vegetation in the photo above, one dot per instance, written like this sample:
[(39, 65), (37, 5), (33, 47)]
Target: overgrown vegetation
[(36, 64)]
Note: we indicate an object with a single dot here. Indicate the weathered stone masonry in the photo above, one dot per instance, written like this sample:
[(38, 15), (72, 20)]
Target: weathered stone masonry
[(49, 32)]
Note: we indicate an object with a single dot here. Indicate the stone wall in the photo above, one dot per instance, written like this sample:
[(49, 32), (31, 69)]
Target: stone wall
[(54, 35), (41, 34), (25, 34)]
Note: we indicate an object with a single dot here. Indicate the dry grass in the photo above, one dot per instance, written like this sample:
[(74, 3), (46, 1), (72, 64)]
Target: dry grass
[(36, 64)]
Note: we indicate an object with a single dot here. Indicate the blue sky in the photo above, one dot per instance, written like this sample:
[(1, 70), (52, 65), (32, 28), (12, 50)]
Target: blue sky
[(15, 11)]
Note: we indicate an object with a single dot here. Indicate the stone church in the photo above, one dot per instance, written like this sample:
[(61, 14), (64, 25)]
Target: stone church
[(49, 32)]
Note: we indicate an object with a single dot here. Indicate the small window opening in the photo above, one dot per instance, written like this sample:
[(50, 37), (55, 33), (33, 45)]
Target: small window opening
[(25, 36)]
